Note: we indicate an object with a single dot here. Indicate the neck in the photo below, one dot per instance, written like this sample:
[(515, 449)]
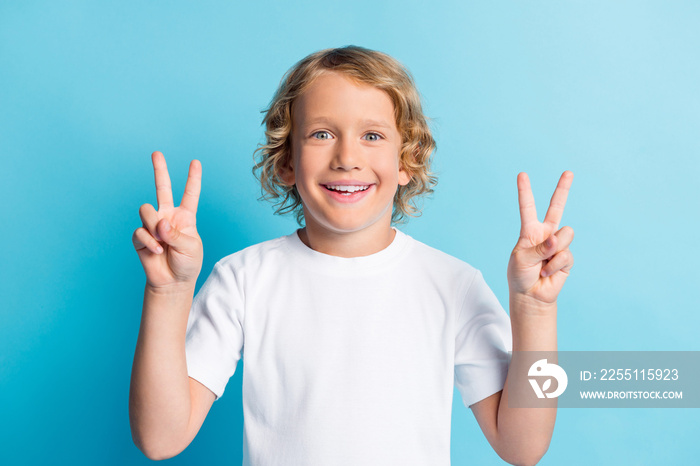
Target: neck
[(348, 244)]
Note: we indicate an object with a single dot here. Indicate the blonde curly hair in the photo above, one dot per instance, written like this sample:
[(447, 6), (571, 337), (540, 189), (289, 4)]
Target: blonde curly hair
[(365, 66)]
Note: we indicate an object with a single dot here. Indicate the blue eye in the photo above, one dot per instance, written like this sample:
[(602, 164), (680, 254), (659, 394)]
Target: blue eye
[(321, 135), (373, 136)]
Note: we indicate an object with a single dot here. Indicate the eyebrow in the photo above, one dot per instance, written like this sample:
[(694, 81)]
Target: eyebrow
[(366, 122)]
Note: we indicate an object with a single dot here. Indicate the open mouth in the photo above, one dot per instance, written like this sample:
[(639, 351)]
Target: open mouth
[(346, 190)]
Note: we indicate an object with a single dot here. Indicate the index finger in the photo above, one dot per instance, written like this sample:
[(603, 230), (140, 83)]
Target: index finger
[(190, 197), (526, 201), (556, 205), (164, 192)]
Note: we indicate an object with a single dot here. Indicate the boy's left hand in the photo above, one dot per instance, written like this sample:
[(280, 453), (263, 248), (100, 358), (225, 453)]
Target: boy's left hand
[(541, 260)]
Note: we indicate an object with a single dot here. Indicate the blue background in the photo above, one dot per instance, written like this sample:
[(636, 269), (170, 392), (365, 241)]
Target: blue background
[(88, 90)]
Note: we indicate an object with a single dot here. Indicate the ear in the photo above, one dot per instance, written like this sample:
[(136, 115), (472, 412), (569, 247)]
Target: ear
[(404, 177), (287, 175)]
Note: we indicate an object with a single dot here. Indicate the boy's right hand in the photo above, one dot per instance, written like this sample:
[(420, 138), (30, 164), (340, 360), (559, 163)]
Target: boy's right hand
[(168, 244)]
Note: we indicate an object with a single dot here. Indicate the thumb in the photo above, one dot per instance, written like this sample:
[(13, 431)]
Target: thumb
[(542, 251), (174, 237)]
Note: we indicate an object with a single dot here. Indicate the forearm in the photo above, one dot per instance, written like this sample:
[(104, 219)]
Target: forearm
[(524, 434), (538, 267), (159, 399)]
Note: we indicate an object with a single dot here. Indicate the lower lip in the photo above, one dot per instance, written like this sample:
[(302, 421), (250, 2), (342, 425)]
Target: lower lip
[(339, 196)]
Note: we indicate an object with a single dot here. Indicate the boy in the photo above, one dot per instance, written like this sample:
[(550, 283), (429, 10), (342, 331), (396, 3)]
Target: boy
[(353, 333)]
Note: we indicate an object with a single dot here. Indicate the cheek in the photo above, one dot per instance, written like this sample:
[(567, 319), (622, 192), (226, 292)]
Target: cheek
[(304, 166), (389, 167)]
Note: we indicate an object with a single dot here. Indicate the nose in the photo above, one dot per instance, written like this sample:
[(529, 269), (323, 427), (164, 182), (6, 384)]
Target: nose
[(347, 155)]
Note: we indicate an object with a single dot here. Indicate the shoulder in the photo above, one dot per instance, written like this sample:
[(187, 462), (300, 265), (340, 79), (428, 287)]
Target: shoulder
[(256, 255), (247, 267), (436, 259), (438, 267)]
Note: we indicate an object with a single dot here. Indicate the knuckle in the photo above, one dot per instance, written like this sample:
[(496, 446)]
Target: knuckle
[(137, 238), (568, 231), (146, 211), (191, 192), (517, 255), (564, 257), (142, 234), (541, 249), (566, 260)]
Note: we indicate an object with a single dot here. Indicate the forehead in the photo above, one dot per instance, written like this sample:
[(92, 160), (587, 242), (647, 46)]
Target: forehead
[(333, 95)]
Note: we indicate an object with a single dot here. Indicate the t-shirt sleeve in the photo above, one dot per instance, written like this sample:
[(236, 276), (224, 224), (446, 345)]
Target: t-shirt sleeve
[(214, 341), (482, 343)]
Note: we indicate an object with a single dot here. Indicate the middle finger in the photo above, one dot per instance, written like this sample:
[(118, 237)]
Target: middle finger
[(558, 201)]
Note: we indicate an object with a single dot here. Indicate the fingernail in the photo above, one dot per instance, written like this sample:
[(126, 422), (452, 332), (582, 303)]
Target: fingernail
[(159, 250), (543, 273), (166, 225), (549, 242)]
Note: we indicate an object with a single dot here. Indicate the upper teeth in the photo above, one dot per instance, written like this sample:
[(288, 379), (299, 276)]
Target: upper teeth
[(350, 189)]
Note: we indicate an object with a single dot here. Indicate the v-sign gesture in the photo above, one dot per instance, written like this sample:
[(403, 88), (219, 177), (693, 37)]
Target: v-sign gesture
[(537, 270), (168, 244), (541, 260)]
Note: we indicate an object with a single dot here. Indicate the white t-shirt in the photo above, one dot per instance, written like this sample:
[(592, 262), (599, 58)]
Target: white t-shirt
[(348, 361)]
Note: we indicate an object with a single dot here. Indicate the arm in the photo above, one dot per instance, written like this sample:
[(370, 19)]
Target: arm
[(538, 268), (166, 407)]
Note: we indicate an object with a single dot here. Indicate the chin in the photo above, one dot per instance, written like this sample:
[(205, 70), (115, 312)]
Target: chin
[(347, 223), (341, 221), (345, 226)]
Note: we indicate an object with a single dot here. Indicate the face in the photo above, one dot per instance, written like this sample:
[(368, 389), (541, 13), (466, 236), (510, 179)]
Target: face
[(345, 156)]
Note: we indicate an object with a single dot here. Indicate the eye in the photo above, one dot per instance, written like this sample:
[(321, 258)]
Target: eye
[(373, 137), (321, 135)]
